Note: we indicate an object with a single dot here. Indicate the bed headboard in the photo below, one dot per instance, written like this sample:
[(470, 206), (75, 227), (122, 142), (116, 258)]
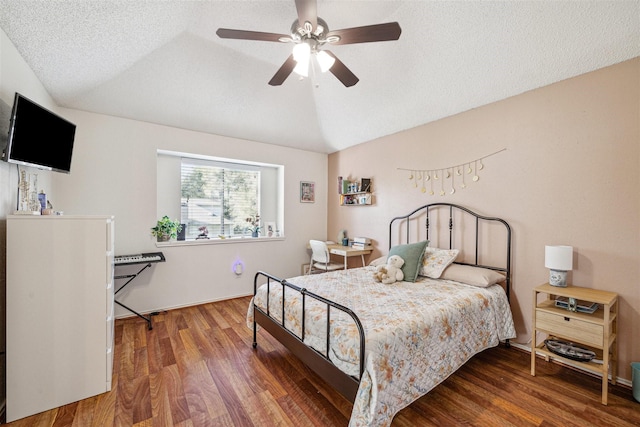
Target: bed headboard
[(483, 241)]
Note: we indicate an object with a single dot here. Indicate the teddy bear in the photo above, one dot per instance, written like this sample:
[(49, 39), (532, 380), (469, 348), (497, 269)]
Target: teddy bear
[(391, 271)]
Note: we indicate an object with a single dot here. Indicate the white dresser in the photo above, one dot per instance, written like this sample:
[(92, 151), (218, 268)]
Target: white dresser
[(59, 310)]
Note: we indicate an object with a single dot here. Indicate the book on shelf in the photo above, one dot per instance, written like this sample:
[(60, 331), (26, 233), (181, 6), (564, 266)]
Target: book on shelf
[(581, 306), (345, 186)]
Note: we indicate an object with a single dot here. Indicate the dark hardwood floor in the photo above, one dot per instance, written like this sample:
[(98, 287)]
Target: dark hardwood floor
[(197, 368)]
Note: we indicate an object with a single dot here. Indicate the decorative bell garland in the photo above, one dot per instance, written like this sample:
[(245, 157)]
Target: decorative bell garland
[(432, 180)]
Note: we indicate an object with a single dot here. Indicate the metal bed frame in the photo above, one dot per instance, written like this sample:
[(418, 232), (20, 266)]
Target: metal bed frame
[(479, 219), (320, 363)]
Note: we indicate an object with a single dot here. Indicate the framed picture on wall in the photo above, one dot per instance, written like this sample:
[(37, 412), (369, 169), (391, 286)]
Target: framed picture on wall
[(307, 192)]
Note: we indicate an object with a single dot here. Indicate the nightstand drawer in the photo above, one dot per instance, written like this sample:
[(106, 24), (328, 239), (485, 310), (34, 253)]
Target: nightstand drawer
[(571, 328)]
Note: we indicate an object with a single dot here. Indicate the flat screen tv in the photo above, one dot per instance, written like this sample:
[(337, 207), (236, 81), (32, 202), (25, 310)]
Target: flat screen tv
[(38, 137)]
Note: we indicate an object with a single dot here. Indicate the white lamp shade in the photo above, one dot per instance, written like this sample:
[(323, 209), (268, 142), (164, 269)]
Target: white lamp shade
[(558, 257), (325, 61), (302, 69), (302, 54)]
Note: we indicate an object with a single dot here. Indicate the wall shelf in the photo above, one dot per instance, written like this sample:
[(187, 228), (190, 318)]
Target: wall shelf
[(355, 193), (356, 199)]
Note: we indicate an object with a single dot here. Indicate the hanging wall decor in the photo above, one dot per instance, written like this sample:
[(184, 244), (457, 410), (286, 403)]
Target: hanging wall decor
[(448, 179), (307, 192)]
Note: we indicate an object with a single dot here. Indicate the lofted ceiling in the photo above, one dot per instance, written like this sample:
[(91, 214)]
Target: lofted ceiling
[(161, 61)]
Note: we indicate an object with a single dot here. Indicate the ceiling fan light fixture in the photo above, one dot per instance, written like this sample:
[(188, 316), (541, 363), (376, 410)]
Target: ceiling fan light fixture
[(302, 69), (301, 54), (325, 61)]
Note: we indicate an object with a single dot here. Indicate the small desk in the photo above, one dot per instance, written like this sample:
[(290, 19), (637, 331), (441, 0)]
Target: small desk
[(348, 251)]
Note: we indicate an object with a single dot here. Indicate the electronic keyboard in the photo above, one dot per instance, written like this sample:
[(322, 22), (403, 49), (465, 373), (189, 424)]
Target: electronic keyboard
[(139, 258), (148, 259)]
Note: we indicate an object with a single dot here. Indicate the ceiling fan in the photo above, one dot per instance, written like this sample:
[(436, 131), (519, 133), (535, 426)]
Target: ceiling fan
[(310, 33)]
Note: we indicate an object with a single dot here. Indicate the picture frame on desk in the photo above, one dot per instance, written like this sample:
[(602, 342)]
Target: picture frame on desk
[(269, 229), (307, 192)]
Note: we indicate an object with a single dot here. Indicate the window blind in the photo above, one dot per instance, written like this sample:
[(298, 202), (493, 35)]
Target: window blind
[(218, 197)]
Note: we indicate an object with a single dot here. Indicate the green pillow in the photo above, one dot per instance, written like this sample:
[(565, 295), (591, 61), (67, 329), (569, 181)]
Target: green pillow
[(412, 256)]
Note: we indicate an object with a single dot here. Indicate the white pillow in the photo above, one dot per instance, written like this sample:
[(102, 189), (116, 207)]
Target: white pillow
[(379, 261), (436, 260), (476, 276)]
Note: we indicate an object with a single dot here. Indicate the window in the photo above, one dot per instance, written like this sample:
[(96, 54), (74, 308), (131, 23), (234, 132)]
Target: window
[(219, 198)]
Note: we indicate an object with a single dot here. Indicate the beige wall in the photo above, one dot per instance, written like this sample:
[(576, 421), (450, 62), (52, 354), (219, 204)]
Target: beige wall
[(569, 175)]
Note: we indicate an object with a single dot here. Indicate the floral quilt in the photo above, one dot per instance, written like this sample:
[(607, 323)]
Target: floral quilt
[(417, 334)]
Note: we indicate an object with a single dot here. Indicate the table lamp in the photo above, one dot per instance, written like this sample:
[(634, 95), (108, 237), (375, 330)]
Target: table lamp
[(559, 260)]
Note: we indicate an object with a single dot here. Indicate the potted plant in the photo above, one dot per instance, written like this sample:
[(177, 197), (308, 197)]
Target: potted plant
[(254, 225), (166, 229)]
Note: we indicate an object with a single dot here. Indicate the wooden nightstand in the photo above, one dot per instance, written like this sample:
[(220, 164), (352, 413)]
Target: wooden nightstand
[(596, 331)]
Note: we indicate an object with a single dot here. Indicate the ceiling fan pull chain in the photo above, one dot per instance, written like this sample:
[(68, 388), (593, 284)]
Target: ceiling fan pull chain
[(314, 76)]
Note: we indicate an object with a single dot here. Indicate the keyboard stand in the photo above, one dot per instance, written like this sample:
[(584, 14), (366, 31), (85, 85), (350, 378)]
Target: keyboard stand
[(130, 278)]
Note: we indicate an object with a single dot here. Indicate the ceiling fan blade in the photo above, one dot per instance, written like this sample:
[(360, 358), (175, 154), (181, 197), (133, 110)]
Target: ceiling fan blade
[(226, 33), (368, 33), (341, 71), (307, 11), (283, 72)]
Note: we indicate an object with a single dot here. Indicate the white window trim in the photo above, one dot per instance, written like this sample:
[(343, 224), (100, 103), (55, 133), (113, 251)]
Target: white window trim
[(218, 241), (236, 162)]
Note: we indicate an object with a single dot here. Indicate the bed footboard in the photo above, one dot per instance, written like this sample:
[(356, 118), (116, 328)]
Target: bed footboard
[(320, 363)]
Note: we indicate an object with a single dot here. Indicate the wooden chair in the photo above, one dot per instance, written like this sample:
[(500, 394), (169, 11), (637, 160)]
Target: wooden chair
[(320, 258)]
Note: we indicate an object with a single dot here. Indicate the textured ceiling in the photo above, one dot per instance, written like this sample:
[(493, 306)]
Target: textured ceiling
[(161, 61)]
